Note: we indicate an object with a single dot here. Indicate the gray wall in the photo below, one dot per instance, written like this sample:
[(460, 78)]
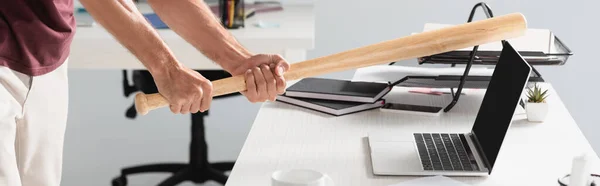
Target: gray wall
[(100, 140)]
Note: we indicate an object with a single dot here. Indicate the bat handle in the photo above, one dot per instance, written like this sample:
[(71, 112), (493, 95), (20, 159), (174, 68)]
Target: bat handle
[(144, 103)]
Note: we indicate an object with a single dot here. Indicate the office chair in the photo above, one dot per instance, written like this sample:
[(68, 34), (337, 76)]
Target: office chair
[(198, 169)]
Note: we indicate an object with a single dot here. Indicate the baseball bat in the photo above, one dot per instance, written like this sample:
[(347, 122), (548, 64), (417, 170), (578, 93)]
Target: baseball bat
[(417, 45)]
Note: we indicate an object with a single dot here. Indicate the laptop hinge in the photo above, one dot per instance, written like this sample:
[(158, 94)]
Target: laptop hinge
[(482, 155)]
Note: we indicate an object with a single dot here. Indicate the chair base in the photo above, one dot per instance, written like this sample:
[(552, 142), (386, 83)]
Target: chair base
[(181, 173)]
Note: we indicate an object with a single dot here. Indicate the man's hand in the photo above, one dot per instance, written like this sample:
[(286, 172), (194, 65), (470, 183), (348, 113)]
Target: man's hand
[(186, 90), (264, 77)]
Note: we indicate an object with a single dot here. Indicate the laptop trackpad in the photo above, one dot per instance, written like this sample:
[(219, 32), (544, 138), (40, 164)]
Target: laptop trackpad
[(394, 157)]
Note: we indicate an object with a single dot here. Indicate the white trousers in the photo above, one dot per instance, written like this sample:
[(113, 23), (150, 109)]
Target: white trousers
[(33, 117)]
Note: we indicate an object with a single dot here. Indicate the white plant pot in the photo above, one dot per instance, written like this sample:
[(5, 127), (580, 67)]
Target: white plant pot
[(536, 112)]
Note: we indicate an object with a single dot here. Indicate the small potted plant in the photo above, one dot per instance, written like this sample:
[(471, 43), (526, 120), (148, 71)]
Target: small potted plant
[(536, 106)]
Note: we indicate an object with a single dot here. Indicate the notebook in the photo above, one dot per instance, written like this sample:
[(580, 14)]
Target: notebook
[(340, 90), (332, 107)]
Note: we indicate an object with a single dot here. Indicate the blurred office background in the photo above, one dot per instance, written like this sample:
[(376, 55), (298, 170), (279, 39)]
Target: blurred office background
[(100, 140)]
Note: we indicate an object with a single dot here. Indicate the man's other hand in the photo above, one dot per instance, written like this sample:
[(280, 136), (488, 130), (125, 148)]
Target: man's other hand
[(186, 90), (264, 77)]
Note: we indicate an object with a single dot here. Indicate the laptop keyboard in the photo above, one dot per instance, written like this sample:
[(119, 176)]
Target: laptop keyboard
[(443, 152)]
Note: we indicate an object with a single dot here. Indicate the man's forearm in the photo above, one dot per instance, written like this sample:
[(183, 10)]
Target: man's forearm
[(122, 19), (195, 22)]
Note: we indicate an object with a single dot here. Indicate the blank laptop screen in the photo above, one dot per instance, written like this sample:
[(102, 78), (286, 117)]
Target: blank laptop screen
[(501, 99)]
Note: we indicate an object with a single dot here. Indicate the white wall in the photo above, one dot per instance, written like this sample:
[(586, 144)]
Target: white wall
[(100, 140)]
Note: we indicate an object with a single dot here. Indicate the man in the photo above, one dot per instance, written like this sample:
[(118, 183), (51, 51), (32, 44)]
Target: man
[(34, 47)]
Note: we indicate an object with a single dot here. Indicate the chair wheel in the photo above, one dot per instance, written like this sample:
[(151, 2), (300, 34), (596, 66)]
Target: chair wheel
[(119, 181)]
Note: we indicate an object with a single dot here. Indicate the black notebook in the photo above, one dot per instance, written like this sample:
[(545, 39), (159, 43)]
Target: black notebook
[(332, 107), (341, 90)]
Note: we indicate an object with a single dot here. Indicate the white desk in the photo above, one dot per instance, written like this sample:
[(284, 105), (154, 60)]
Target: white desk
[(94, 48), (285, 136)]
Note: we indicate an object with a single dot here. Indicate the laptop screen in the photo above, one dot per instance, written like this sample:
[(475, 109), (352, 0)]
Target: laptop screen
[(500, 102)]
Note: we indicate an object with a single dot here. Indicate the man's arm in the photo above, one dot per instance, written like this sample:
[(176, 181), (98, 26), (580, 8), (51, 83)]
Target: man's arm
[(195, 22), (186, 90), (123, 20)]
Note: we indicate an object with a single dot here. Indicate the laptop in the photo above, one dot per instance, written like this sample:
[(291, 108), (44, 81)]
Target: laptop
[(459, 154)]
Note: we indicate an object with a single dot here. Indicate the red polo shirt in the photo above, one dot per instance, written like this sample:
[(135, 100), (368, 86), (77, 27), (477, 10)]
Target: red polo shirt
[(35, 35)]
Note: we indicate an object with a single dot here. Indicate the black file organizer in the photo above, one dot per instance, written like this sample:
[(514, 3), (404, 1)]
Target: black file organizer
[(482, 58)]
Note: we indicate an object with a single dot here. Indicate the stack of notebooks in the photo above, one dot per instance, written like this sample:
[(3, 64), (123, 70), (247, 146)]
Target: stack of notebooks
[(336, 97)]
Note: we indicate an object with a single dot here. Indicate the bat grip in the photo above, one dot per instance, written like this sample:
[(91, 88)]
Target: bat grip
[(144, 103)]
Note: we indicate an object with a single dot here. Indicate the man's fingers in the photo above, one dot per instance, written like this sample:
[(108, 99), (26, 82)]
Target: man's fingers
[(196, 104), (261, 84), (206, 97), (281, 84), (176, 109), (206, 101), (185, 109), (264, 77), (251, 86), (270, 81), (282, 65)]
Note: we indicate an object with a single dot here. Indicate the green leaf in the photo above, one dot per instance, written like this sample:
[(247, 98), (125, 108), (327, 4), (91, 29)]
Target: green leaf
[(536, 94)]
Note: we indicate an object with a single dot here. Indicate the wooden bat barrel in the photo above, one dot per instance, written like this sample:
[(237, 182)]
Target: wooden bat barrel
[(413, 46)]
